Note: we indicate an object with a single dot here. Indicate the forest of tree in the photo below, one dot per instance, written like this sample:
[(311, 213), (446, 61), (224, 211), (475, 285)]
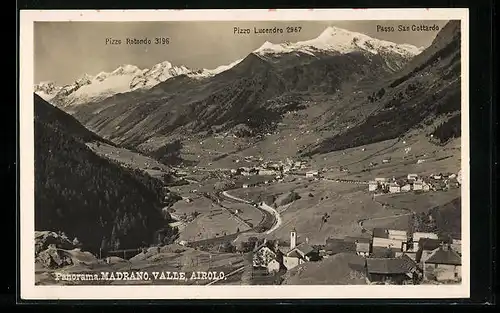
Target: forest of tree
[(88, 197)]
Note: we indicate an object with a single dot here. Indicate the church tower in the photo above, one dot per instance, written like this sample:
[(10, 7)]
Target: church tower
[(293, 238)]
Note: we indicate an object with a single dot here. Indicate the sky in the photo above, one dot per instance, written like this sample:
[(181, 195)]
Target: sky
[(64, 51)]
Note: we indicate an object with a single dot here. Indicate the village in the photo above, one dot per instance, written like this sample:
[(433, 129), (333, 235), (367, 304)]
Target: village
[(390, 256), (434, 182)]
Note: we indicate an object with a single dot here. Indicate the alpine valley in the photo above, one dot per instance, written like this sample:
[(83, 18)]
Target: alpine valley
[(287, 141)]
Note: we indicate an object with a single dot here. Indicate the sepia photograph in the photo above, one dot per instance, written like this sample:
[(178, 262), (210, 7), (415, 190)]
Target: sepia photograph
[(278, 151)]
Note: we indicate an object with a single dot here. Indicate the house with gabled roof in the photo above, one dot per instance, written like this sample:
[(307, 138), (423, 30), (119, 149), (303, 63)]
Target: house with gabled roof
[(264, 253), (443, 264), (398, 271), (425, 248)]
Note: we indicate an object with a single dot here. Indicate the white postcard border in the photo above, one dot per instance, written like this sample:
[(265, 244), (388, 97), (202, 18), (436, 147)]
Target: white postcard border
[(26, 179)]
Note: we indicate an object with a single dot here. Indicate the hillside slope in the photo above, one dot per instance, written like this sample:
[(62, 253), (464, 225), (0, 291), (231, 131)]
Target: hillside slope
[(86, 196), (424, 93)]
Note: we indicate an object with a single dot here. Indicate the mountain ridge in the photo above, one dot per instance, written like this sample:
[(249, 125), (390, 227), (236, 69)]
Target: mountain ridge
[(426, 90), (88, 197)]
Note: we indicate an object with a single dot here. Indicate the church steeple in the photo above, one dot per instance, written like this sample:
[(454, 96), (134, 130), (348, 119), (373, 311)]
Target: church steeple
[(293, 238)]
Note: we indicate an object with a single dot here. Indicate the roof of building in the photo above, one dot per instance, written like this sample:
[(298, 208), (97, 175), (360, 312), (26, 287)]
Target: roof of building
[(362, 247), (397, 232), (418, 235), (380, 233), (429, 244), (401, 265), (444, 255), (363, 238), (383, 252), (305, 248), (336, 245), (293, 254)]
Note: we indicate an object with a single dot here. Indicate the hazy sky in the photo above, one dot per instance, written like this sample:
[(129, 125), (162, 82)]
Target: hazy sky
[(66, 50)]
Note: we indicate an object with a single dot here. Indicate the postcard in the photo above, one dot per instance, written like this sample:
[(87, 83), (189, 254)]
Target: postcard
[(244, 154)]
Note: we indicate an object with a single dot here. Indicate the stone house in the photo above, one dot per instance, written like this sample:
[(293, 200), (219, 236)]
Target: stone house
[(443, 264)]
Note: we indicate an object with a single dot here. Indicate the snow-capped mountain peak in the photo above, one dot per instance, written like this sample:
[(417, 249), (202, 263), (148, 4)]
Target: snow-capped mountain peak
[(158, 73), (47, 90), (126, 69), (342, 41), (83, 80)]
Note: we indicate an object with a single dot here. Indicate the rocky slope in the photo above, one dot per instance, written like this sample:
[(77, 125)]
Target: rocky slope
[(86, 196)]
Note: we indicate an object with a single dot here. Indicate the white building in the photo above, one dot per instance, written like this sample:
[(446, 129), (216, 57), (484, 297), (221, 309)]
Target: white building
[(266, 172), (401, 235), (273, 266), (412, 177), (394, 188), (312, 174), (406, 188), (421, 185), (388, 243), (372, 186), (418, 185)]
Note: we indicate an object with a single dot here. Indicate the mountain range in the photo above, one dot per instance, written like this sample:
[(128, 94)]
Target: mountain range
[(360, 83), (123, 79)]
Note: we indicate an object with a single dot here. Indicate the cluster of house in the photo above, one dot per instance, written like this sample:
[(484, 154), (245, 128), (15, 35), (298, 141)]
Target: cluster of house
[(400, 257), (276, 169), (390, 255), (433, 182), (275, 258)]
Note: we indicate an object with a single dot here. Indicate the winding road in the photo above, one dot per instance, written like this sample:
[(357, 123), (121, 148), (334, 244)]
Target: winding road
[(263, 206), (272, 221)]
